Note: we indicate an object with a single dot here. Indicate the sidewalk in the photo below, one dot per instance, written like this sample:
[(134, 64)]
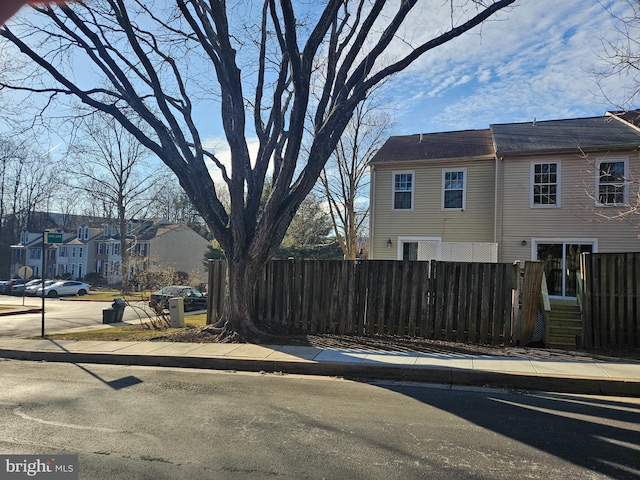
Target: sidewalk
[(568, 376)]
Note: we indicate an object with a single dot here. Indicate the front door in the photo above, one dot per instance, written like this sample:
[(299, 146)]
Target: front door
[(562, 264)]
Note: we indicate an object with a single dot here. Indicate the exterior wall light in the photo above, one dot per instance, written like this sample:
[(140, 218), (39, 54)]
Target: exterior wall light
[(389, 243)]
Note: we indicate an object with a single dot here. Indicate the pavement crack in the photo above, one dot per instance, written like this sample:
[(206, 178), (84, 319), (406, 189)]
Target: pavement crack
[(24, 416)]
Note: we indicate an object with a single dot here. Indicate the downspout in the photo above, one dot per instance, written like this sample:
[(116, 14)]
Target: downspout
[(497, 217), (372, 189)]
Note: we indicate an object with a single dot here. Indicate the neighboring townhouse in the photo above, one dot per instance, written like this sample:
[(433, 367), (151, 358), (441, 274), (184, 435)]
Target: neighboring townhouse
[(75, 256), (29, 252), (172, 244), (152, 244), (515, 192)]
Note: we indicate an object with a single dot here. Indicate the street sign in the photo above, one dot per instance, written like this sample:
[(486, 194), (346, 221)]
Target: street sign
[(53, 237), (25, 272)]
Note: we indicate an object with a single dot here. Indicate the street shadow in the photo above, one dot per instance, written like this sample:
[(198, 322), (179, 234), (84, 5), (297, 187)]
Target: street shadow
[(599, 434), (117, 384)]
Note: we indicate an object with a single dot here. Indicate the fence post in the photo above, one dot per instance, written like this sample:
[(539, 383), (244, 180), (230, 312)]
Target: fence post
[(530, 298)]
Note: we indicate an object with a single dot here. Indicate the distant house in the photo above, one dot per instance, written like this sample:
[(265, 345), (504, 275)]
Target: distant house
[(89, 249), (522, 191), (152, 245)]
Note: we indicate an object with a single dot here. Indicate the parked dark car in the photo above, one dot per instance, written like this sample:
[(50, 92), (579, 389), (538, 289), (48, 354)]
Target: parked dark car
[(19, 289), (11, 283), (194, 299)]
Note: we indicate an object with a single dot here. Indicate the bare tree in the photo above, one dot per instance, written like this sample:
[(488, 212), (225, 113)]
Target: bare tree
[(622, 54), (110, 167), (174, 205), (345, 180), (28, 182), (10, 154), (622, 59), (161, 62)]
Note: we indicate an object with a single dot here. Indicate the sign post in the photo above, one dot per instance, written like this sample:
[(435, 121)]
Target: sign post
[(47, 238)]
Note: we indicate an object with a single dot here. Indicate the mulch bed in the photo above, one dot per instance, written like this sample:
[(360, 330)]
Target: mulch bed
[(413, 344)]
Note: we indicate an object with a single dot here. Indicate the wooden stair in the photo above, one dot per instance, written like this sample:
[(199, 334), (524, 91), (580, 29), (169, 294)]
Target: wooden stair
[(564, 325)]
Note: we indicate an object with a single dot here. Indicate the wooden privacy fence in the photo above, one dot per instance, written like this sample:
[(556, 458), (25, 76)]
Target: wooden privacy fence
[(470, 302), (610, 295)]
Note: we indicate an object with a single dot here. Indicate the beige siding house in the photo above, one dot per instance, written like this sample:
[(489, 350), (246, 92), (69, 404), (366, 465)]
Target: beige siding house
[(432, 189), (154, 245), (528, 191)]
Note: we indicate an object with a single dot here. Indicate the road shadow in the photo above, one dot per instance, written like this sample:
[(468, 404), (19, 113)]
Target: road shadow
[(117, 384), (599, 434)]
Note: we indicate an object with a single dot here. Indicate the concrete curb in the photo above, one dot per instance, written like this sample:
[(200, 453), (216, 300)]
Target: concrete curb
[(441, 375)]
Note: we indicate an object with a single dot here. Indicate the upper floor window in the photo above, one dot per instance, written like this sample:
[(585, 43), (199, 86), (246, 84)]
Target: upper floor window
[(611, 175), (80, 253), (545, 184), (453, 189), (403, 190)]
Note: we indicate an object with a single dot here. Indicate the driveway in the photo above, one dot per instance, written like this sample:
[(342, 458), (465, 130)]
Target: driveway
[(60, 315)]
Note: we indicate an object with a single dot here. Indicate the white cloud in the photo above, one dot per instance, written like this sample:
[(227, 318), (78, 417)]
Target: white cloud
[(220, 148), (535, 61)]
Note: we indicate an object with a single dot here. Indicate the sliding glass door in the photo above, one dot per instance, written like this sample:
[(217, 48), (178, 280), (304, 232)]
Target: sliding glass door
[(562, 264)]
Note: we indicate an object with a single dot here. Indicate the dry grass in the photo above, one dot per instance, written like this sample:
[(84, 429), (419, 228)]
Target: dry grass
[(132, 333), (111, 294)]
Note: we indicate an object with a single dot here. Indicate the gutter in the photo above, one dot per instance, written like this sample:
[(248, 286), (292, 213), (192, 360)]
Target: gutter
[(578, 150), (433, 160)]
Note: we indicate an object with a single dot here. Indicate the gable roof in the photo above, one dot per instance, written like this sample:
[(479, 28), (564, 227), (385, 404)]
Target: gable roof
[(434, 146), (556, 136), (629, 116)]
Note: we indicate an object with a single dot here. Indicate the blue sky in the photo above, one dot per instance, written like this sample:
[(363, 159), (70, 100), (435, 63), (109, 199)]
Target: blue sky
[(537, 60), (534, 60)]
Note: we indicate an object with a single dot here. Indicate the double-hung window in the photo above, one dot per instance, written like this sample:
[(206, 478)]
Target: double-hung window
[(545, 184), (403, 188), (454, 189), (611, 178)]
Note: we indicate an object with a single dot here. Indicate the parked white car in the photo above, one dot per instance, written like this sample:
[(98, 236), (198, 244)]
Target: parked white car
[(64, 287), (30, 290)]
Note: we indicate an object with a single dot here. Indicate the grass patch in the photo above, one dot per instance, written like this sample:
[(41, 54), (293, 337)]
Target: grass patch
[(130, 333), (111, 294), (8, 307)]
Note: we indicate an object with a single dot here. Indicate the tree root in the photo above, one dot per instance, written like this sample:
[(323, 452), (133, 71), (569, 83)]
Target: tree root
[(250, 334)]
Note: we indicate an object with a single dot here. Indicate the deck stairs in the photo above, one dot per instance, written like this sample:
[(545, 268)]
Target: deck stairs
[(564, 325)]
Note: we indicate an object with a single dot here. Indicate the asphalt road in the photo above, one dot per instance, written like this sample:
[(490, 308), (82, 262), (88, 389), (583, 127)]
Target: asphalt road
[(60, 315), (161, 423)]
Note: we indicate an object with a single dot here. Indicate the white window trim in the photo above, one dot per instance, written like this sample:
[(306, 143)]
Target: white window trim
[(625, 200), (558, 203), (402, 240), (464, 189), (393, 190)]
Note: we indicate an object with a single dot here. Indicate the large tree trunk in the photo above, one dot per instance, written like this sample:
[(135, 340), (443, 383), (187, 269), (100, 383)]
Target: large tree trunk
[(238, 323)]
